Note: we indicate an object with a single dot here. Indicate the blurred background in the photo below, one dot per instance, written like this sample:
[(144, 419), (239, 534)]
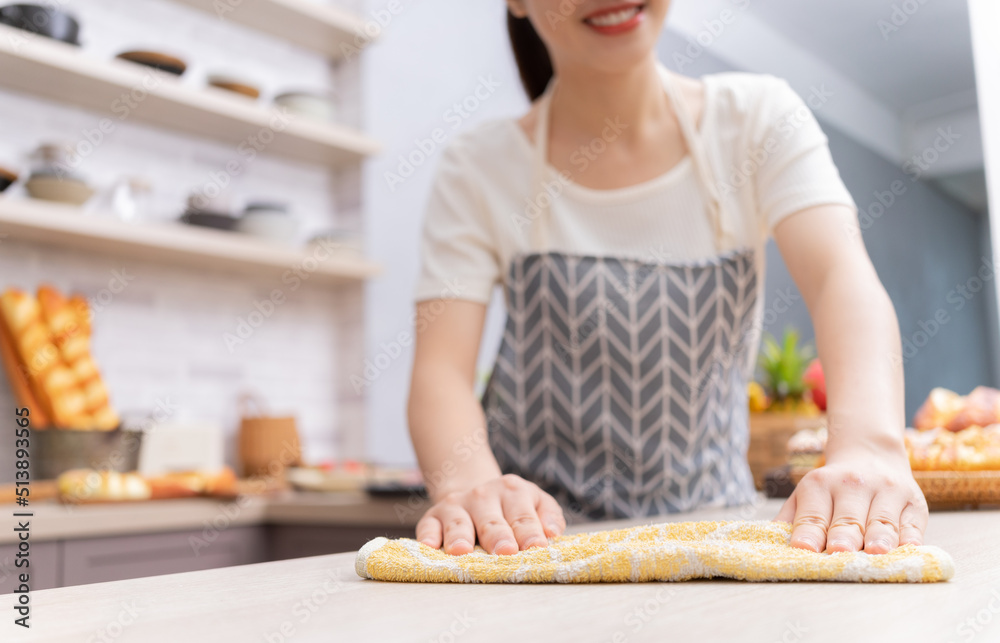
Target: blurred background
[(234, 189)]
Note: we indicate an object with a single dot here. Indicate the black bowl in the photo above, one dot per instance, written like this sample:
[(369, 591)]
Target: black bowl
[(216, 220), (43, 21), (7, 179)]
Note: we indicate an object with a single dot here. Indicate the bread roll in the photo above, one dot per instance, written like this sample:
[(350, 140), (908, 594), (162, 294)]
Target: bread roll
[(980, 408), (939, 409), (87, 485)]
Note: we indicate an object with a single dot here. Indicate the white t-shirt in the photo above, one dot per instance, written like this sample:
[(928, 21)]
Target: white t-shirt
[(768, 154)]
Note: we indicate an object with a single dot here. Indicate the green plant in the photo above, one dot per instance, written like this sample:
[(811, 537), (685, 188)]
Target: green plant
[(784, 364)]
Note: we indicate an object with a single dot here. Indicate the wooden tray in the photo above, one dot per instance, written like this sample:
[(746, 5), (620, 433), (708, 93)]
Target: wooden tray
[(948, 489)]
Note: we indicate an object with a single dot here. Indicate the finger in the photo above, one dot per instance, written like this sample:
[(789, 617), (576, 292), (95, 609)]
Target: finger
[(495, 535), (459, 533), (520, 513), (850, 513), (912, 523), (551, 515), (429, 531), (787, 512), (882, 526), (813, 507)]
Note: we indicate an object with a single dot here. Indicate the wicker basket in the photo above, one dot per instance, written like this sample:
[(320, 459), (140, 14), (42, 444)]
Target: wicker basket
[(769, 434), (949, 489)]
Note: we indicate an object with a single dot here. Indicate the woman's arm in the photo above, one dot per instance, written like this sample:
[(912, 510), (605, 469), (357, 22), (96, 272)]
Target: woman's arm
[(864, 497), (448, 429)]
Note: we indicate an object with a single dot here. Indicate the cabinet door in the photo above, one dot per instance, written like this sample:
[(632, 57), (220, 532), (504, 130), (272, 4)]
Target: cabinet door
[(299, 541), (107, 559), (43, 569)]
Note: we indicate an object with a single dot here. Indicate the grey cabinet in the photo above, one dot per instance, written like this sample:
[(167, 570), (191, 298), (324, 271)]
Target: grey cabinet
[(45, 567), (299, 541), (98, 560)]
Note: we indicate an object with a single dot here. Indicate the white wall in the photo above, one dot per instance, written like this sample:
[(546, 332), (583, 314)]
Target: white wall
[(162, 337), (432, 55), (985, 19)]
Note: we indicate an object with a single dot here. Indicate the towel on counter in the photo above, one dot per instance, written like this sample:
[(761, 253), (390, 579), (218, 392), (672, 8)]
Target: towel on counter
[(751, 551)]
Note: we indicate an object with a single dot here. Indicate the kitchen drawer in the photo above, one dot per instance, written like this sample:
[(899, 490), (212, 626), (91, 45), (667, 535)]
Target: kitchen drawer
[(299, 541), (46, 559), (107, 559)]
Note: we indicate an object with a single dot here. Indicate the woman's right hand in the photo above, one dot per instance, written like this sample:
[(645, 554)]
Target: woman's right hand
[(508, 514)]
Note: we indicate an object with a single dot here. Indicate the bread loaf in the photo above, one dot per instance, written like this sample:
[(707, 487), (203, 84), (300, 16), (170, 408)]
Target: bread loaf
[(51, 337)]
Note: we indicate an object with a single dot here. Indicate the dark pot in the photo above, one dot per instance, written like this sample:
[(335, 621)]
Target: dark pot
[(43, 21), (55, 451)]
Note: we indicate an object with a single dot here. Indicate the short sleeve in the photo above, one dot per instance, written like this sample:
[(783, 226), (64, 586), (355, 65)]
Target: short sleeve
[(798, 171), (459, 258)]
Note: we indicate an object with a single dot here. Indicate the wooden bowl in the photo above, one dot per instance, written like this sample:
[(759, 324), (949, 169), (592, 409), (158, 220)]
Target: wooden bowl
[(156, 60), (234, 85)]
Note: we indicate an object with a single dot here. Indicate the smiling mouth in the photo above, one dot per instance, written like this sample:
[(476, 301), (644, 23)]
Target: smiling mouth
[(615, 20)]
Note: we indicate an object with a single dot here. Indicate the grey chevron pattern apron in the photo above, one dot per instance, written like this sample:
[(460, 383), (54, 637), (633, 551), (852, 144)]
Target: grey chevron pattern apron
[(620, 385)]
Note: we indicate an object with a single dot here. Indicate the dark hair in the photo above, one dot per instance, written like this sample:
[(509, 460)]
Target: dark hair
[(533, 61)]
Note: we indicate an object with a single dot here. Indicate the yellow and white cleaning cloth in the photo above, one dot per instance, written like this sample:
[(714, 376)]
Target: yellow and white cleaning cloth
[(751, 551)]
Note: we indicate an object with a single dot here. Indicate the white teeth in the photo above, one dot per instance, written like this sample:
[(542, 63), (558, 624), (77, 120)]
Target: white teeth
[(613, 19)]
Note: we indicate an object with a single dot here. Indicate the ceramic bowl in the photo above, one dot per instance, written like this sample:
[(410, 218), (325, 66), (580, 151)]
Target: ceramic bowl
[(271, 224), (307, 105), (44, 21), (61, 190)]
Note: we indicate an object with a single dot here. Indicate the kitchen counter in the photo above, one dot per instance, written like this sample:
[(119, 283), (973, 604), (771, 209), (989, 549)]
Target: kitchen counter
[(323, 599), (55, 521)]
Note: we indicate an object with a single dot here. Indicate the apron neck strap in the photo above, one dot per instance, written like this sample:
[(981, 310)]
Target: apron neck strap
[(542, 198)]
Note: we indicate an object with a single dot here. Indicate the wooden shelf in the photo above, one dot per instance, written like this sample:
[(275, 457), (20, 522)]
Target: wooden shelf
[(61, 72), (315, 26), (67, 226)]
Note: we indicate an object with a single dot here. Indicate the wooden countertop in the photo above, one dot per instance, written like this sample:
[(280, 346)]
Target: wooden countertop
[(322, 599), (54, 521)]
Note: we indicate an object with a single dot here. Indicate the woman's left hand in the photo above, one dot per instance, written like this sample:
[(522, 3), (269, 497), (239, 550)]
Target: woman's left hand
[(857, 502)]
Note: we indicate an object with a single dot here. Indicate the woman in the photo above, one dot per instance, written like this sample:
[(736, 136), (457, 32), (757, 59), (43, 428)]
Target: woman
[(625, 215)]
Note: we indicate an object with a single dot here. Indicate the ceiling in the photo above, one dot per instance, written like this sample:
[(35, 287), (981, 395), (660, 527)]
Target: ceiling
[(926, 58), (929, 56)]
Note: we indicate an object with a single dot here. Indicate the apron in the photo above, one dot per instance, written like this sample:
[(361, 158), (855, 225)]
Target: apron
[(620, 386)]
